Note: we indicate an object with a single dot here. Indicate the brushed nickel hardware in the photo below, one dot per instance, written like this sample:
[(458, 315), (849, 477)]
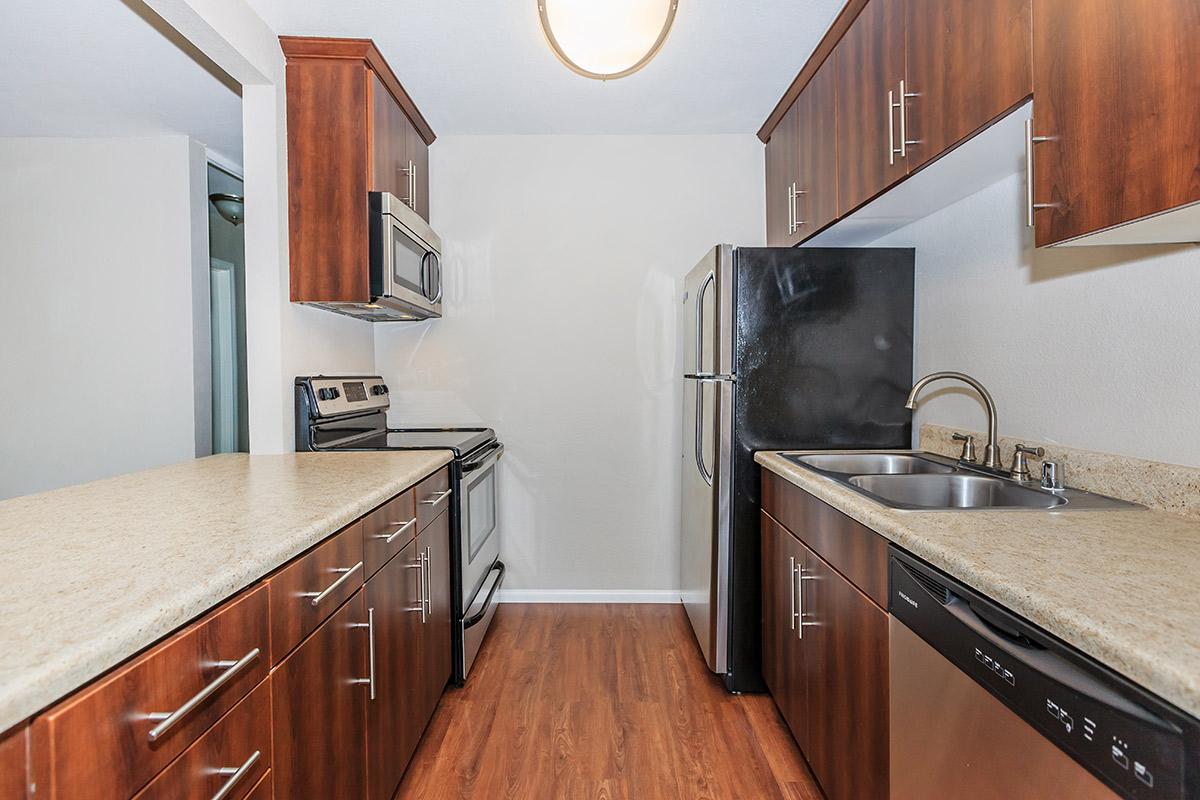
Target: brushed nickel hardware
[(904, 140), (800, 579), (792, 578), (169, 719), (437, 499), (411, 172), (426, 600), (1030, 141), (1052, 476), (991, 452), (698, 443), (420, 564), (1020, 466), (791, 208), (388, 538), (968, 449), (236, 774), (891, 112), (370, 626), (796, 221), (346, 573)]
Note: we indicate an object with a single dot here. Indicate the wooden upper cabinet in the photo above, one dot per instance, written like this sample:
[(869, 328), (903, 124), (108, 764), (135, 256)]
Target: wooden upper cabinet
[(351, 129), (1117, 91), (817, 132), (782, 164), (968, 64), (870, 67)]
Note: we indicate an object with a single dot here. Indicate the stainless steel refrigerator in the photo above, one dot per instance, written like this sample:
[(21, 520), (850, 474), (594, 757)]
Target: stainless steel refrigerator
[(784, 348)]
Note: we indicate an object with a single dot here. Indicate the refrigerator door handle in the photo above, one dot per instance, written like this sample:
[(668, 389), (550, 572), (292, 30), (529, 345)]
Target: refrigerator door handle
[(711, 377), (702, 376), (704, 287), (699, 444)]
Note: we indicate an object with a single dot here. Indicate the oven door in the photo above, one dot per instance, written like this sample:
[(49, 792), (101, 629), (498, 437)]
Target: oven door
[(406, 261), (479, 531)]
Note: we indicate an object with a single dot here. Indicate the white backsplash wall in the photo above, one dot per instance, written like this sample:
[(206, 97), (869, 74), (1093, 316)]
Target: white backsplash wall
[(564, 260), (1091, 347), (104, 308)]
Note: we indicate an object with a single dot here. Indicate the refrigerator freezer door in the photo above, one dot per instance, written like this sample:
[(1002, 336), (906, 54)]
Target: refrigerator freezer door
[(706, 328)]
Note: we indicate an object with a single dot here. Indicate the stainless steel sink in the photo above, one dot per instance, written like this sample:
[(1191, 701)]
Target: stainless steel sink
[(872, 463), (953, 491)]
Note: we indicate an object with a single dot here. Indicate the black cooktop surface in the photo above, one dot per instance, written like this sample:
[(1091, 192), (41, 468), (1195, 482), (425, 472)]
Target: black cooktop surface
[(460, 440)]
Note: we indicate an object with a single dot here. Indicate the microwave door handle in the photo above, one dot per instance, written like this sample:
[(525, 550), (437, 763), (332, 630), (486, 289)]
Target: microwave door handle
[(435, 263)]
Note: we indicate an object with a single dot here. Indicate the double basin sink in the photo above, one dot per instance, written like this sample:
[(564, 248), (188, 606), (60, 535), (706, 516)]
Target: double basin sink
[(916, 481)]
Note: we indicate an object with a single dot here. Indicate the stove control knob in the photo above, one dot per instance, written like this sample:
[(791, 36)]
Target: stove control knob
[(328, 393), (379, 389)]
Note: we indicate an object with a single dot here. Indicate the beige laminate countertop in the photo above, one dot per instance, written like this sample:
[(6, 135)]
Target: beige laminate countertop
[(1122, 586), (91, 574)]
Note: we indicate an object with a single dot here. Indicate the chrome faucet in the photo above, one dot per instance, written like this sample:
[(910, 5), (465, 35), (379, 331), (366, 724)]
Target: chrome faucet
[(991, 452)]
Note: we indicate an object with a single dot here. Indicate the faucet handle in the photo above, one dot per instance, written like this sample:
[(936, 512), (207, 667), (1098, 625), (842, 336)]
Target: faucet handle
[(968, 449), (1020, 466), (1052, 475)]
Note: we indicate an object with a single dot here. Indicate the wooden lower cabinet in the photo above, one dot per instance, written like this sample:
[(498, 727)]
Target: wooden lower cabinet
[(319, 697), (435, 540), (825, 661), (13, 748)]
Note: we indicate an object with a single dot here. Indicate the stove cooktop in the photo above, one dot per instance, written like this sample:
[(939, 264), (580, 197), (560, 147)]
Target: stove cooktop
[(460, 440)]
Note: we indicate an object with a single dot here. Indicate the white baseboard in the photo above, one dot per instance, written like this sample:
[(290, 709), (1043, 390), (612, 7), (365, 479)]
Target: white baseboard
[(587, 596)]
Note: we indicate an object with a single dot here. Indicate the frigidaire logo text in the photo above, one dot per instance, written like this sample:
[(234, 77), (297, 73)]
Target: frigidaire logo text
[(907, 599)]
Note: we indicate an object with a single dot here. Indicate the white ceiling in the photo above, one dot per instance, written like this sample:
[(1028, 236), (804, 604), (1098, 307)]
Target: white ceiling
[(96, 68), (478, 67)]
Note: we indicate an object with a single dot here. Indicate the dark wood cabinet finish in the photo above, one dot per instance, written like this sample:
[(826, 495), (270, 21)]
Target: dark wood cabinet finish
[(13, 755), (784, 656), (853, 549), (96, 745), (782, 173), (968, 63), (395, 521), (1116, 84), (817, 205), (435, 541), (319, 710), (263, 790), (846, 652), (229, 744), (351, 129), (336, 563), (432, 495), (395, 717), (870, 64)]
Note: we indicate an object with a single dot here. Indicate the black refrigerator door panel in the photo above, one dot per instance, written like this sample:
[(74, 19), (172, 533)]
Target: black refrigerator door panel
[(823, 358)]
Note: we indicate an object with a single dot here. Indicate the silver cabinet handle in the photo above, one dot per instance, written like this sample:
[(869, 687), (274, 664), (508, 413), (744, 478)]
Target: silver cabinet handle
[(429, 581), (796, 221), (790, 210), (1030, 141), (891, 112), (420, 564), (235, 775), (904, 140), (370, 626), (388, 538), (797, 577), (347, 573), (168, 719), (434, 500), (792, 578)]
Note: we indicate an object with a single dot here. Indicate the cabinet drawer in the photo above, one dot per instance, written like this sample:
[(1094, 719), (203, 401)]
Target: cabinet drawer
[(233, 755), (98, 744), (311, 588), (433, 497), (387, 530)]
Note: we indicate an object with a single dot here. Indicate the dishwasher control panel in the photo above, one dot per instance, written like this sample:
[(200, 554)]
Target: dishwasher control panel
[(1137, 744)]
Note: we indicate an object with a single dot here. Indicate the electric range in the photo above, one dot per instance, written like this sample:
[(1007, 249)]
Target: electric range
[(349, 414)]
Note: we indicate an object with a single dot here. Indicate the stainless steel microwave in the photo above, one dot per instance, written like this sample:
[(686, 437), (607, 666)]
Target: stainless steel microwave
[(406, 262)]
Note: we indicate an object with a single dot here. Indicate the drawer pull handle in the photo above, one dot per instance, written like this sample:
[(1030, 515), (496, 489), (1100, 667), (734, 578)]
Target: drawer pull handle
[(388, 538), (235, 776), (347, 572), (168, 719), (434, 500)]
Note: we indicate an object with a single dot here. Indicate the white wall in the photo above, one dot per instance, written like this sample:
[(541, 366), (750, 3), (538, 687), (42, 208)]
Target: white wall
[(1089, 347), (104, 307), (565, 257)]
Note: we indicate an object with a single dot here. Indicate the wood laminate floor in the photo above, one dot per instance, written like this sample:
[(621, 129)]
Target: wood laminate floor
[(602, 701)]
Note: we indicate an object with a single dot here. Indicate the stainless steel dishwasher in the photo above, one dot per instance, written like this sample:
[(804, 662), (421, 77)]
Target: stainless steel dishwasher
[(985, 705)]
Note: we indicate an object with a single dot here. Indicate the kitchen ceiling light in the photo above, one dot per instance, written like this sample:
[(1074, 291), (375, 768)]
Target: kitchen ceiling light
[(606, 39), (229, 206)]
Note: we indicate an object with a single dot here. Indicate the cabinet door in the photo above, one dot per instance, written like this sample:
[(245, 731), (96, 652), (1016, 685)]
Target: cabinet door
[(12, 763), (846, 636), (435, 542), (870, 65), (1116, 83), (395, 716), (389, 142), (319, 699), (817, 203), (968, 63), (782, 161), (783, 645), (418, 155)]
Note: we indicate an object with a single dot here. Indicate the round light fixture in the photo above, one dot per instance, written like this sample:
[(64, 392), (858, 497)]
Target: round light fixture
[(606, 39), (229, 206)]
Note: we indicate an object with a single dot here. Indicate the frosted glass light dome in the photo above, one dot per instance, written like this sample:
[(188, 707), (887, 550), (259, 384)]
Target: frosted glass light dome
[(606, 39)]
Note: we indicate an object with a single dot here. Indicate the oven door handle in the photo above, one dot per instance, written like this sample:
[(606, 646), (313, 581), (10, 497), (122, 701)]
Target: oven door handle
[(490, 456), (487, 603)]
